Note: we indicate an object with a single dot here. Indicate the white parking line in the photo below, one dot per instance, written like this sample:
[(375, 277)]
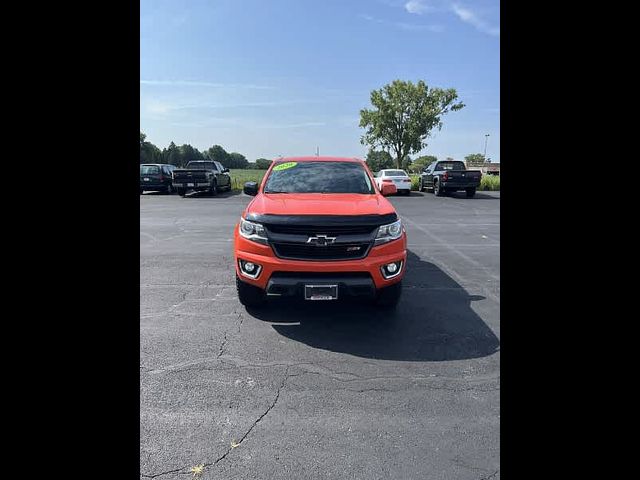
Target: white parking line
[(461, 254)]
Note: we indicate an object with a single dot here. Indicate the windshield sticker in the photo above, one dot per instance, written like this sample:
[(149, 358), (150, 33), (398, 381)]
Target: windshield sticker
[(284, 166)]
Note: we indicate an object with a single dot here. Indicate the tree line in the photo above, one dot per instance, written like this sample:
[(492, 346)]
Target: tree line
[(380, 159), (183, 154)]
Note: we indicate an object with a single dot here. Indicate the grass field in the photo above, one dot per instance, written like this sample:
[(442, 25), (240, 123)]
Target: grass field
[(239, 177)]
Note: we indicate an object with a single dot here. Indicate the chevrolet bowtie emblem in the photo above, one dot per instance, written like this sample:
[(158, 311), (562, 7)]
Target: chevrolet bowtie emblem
[(321, 240)]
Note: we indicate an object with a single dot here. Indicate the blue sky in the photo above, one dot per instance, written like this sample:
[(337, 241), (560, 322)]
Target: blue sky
[(281, 77)]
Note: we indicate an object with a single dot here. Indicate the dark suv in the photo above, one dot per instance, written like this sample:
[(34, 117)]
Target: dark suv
[(156, 177)]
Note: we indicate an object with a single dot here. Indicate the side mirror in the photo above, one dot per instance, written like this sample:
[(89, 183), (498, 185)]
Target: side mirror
[(389, 189), (226, 170), (251, 188)]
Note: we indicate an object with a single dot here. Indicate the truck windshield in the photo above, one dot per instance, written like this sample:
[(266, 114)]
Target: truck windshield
[(200, 165), (149, 169), (318, 177), (450, 166)]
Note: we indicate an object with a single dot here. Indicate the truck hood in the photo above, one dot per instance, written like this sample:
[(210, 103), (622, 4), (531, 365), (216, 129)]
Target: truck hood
[(320, 204)]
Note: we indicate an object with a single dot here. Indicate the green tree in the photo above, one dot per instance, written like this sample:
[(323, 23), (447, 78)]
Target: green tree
[(404, 115), (172, 155), (474, 160), (218, 154), (236, 160), (422, 162), (149, 153), (378, 160), (262, 163), (189, 154)]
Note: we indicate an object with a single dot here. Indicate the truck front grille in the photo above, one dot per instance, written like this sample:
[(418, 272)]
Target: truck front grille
[(301, 251)]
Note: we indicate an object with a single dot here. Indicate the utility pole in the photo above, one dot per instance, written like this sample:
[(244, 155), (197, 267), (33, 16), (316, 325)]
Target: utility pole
[(317, 151), (486, 139)]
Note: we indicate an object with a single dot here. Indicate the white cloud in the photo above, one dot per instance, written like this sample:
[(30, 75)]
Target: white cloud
[(468, 16), (157, 108), (403, 25), (417, 6), (297, 125)]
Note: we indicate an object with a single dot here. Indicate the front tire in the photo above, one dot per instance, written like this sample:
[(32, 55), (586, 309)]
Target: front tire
[(471, 192), (213, 189), (249, 295), (389, 297), (420, 185), (182, 192)]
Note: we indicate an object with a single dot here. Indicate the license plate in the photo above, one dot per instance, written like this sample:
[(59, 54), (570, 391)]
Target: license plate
[(321, 292), (190, 185), (147, 179)]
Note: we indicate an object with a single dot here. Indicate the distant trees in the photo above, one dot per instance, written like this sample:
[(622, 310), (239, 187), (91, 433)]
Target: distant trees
[(263, 163), (379, 160), (183, 154), (236, 160), (422, 162), (149, 153), (474, 160)]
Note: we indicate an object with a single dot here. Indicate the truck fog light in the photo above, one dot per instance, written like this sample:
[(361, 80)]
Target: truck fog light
[(391, 270), (249, 269)]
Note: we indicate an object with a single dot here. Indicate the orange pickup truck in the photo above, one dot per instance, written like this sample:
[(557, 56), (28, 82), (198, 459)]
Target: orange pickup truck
[(319, 229)]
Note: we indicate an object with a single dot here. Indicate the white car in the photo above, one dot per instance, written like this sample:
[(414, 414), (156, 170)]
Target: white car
[(399, 178)]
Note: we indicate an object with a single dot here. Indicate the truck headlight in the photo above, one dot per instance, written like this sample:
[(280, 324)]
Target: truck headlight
[(252, 231), (387, 233)]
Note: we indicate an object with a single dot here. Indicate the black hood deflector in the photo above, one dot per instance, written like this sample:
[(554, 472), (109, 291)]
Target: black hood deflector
[(324, 220)]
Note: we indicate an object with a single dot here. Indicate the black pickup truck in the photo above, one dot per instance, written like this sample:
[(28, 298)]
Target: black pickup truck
[(448, 177), (202, 176)]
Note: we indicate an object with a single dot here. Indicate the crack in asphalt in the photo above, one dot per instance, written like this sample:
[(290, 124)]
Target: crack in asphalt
[(242, 439), (224, 340), (483, 382)]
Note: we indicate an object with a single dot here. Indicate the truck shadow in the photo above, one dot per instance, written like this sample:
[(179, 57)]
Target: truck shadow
[(433, 322), (477, 196), (231, 193)]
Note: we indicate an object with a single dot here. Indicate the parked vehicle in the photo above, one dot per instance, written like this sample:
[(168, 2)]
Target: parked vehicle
[(399, 178), (319, 228), (202, 176), (156, 177), (449, 176)]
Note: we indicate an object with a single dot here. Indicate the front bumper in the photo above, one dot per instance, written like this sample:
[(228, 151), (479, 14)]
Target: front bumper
[(282, 284), (264, 256), (153, 186)]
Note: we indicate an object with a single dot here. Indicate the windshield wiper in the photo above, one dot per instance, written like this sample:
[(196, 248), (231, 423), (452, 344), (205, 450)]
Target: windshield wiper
[(275, 191)]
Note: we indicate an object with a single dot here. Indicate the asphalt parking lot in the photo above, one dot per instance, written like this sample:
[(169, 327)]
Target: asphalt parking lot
[(301, 391)]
